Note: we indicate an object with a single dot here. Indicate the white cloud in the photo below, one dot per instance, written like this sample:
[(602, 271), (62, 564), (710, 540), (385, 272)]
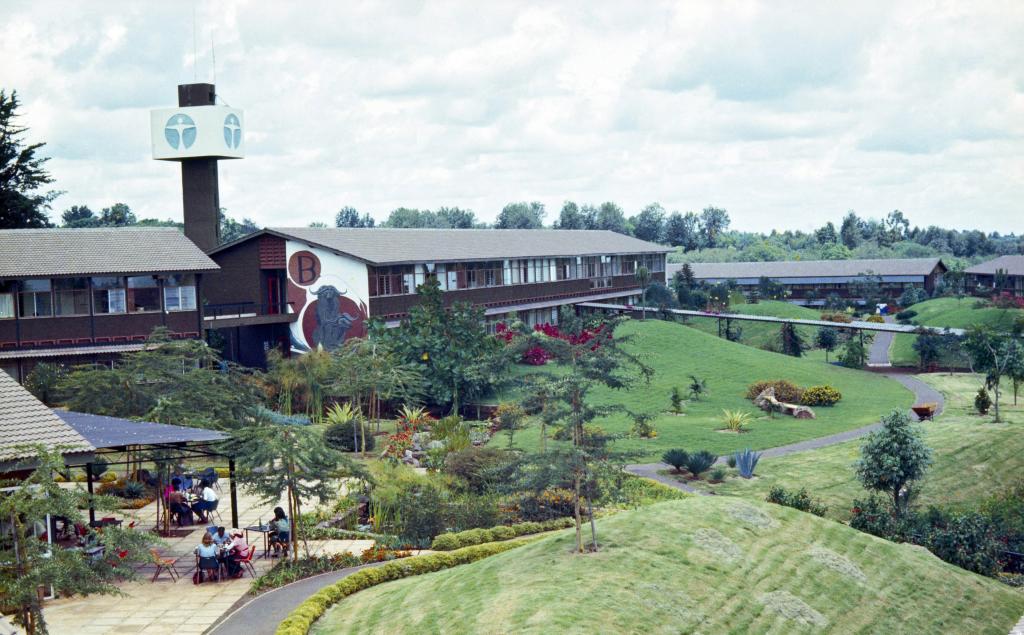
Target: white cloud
[(786, 113)]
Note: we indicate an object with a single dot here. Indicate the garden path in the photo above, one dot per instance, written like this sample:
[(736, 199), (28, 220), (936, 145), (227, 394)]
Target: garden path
[(878, 353), (923, 393), (1019, 628)]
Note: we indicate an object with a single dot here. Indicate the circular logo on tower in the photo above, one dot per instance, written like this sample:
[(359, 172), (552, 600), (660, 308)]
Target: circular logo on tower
[(180, 131), (232, 131)]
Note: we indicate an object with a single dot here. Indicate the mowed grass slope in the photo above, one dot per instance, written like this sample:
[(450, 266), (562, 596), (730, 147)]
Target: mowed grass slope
[(675, 352), (951, 312), (972, 457), (704, 564), (761, 334)]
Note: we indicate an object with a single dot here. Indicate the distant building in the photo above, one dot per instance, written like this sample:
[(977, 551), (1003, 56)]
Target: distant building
[(303, 287), (810, 282), (1005, 273), (87, 295)]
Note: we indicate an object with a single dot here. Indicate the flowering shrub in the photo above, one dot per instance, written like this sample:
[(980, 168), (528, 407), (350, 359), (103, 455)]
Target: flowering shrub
[(875, 319), (785, 391), (378, 553), (536, 356), (1007, 300), (821, 396), (413, 420), (397, 444), (841, 318)]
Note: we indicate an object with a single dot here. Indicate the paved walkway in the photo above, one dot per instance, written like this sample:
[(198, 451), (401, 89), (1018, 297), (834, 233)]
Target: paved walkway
[(923, 393), (1019, 628), (878, 354)]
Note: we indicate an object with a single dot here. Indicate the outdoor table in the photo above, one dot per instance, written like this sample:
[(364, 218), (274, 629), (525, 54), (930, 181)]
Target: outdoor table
[(262, 529)]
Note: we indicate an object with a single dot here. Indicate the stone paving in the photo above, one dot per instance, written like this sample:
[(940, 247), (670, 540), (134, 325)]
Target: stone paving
[(167, 607)]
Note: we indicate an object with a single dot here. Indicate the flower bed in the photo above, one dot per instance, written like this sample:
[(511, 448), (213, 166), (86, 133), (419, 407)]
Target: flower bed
[(302, 618)]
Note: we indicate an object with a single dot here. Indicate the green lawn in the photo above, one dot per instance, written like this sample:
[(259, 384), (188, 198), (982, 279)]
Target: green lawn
[(951, 312), (675, 352), (762, 334), (973, 457), (703, 564)]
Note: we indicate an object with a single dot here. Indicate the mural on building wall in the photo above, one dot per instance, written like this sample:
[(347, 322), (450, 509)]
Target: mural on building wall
[(329, 293)]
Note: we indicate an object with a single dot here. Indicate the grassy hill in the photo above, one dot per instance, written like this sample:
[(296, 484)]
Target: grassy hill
[(951, 312), (762, 334), (675, 352), (972, 457), (704, 564)]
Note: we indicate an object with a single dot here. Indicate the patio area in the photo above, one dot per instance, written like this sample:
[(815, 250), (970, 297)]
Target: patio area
[(165, 606)]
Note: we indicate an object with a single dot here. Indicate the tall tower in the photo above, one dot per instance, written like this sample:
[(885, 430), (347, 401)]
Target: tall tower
[(197, 134)]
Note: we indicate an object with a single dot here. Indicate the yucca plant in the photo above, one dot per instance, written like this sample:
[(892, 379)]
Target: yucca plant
[(735, 420), (700, 462), (746, 461)]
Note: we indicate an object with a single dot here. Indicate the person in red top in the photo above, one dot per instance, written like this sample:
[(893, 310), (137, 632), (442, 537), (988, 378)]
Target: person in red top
[(237, 550)]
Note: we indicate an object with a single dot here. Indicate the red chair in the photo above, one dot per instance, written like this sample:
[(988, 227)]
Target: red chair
[(246, 562)]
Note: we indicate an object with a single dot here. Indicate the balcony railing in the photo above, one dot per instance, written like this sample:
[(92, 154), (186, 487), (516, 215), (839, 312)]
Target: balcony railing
[(245, 309)]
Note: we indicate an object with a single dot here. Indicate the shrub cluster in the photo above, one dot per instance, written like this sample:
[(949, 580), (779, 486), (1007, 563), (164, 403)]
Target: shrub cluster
[(797, 500), (785, 390), (905, 316), (875, 319), (840, 318), (821, 396), (458, 540), (301, 619), (348, 436)]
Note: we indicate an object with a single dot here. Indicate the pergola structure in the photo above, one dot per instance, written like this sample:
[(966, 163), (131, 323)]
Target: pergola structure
[(114, 438)]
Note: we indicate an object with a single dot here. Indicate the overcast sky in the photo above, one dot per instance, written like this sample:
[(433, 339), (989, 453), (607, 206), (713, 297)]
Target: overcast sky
[(786, 114)]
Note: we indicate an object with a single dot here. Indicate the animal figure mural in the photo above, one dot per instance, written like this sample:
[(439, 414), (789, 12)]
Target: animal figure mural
[(332, 324)]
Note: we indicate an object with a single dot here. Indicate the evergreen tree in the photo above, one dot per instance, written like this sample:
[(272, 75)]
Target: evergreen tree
[(792, 342), (22, 173), (649, 224), (349, 217), (892, 458)]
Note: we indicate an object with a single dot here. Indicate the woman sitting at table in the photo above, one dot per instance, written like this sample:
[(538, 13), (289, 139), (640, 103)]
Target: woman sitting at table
[(237, 550), (207, 556), (281, 529), (207, 501), (179, 507)]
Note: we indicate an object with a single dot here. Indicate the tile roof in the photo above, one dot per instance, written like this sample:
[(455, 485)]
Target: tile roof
[(396, 246), (78, 252), (812, 268), (1013, 265), (26, 421)]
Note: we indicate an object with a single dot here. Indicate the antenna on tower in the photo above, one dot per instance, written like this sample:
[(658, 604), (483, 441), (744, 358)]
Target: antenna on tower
[(213, 55), (195, 47)]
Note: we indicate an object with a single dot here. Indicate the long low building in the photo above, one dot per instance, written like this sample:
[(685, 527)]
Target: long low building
[(86, 295), (307, 287), (1003, 274), (810, 282)]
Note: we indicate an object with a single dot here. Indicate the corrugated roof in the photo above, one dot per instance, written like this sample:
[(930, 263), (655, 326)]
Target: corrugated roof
[(1013, 265), (114, 432), (26, 421), (70, 351), (382, 246), (76, 252), (811, 268)]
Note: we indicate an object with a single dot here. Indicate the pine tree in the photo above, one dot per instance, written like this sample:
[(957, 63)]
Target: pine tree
[(22, 173)]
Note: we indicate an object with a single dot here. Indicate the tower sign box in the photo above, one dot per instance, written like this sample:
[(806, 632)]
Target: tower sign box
[(216, 132)]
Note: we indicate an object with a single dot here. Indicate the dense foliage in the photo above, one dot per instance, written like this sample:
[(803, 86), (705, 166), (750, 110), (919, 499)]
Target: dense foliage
[(797, 500), (892, 458)]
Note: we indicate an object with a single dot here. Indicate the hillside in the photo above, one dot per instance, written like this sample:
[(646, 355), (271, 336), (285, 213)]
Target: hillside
[(972, 457), (761, 334), (951, 312), (704, 564), (675, 352)]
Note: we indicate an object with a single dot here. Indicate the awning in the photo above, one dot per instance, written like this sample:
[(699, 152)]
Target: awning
[(70, 351), (112, 432)]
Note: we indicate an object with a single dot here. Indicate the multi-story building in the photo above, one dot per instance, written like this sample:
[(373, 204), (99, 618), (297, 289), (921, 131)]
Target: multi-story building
[(86, 295), (317, 286), (1003, 274), (810, 282)]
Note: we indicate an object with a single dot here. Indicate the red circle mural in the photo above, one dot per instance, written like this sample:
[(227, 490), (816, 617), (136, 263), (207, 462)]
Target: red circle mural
[(331, 319), (304, 268)]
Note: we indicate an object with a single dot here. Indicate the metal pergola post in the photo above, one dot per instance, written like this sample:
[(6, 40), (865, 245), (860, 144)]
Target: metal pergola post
[(88, 484), (234, 494)]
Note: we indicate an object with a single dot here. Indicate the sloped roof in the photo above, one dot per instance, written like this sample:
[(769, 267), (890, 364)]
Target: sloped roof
[(79, 252), (1013, 265), (25, 421), (114, 432), (812, 268), (381, 246)]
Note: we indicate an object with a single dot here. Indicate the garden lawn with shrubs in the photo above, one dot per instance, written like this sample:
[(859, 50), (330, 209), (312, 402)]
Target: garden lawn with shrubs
[(951, 312), (973, 457), (713, 564), (762, 334), (676, 352)]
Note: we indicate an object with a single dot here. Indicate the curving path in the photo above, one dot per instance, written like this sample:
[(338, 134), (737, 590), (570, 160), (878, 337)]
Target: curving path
[(262, 614), (923, 393), (878, 353)]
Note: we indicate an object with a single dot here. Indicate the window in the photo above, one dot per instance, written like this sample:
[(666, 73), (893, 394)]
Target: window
[(108, 295), (143, 294), (71, 296), (6, 300), (35, 299), (180, 293)]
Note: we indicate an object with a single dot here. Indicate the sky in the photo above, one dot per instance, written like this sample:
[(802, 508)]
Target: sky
[(787, 114)]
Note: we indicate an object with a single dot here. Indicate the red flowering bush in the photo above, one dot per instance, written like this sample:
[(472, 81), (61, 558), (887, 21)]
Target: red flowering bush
[(1007, 300), (536, 356)]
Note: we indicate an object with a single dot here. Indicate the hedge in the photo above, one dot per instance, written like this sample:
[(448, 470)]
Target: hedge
[(457, 540), (302, 618)]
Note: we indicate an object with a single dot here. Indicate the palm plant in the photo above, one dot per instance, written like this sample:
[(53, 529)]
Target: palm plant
[(700, 462), (676, 458), (735, 420)]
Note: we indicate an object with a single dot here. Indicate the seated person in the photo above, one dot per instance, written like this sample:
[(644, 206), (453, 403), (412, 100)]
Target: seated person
[(179, 507), (207, 501), (207, 555), (280, 531), (237, 551), (220, 537)]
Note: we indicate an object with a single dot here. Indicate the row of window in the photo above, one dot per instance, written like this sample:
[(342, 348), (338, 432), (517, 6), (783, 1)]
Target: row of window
[(100, 295), (404, 279)]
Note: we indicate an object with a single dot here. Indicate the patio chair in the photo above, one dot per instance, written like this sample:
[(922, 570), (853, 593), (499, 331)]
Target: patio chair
[(164, 564), (246, 562), (210, 513)]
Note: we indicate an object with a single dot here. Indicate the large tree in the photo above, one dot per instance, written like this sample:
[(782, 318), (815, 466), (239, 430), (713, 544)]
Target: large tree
[(22, 173), (570, 217), (231, 229), (117, 215), (521, 216), (994, 354), (79, 216), (611, 217), (649, 224), (713, 221), (892, 458), (457, 218), (682, 230), (349, 217)]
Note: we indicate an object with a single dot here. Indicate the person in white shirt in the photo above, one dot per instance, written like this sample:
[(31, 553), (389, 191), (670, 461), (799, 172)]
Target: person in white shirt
[(207, 501)]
